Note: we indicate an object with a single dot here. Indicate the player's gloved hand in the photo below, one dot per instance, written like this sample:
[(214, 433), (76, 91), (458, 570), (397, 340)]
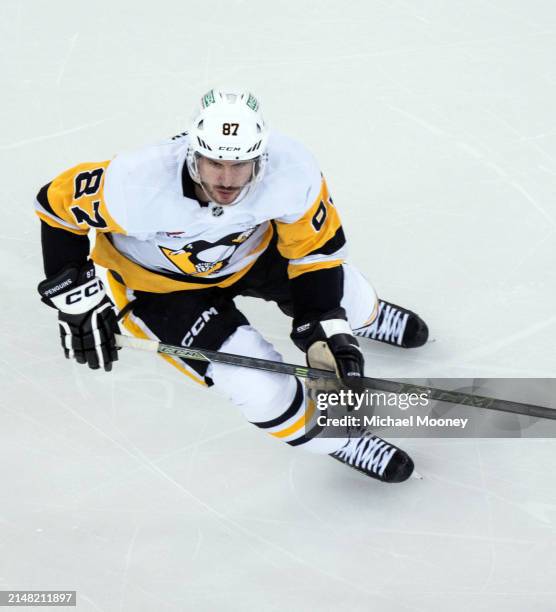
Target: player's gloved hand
[(330, 344), (85, 315)]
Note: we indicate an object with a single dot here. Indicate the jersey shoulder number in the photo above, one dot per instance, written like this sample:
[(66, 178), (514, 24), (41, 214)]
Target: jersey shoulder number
[(75, 200), (314, 241)]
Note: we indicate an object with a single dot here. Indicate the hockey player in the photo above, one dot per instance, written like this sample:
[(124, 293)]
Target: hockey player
[(183, 227)]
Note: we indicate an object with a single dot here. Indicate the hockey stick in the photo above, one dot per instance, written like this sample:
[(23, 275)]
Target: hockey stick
[(358, 384)]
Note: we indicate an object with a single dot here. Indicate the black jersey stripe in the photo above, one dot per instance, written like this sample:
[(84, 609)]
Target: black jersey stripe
[(331, 246), (42, 199)]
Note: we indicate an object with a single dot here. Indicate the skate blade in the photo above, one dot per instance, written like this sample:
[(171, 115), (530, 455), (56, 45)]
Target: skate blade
[(415, 474)]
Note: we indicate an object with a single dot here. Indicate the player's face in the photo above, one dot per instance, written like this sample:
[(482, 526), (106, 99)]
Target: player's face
[(224, 180)]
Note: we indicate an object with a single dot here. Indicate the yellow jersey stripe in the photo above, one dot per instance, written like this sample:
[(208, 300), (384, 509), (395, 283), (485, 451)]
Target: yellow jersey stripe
[(50, 220), (140, 279), (299, 269)]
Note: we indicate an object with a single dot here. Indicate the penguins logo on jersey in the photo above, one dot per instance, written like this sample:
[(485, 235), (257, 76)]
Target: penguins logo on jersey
[(202, 258)]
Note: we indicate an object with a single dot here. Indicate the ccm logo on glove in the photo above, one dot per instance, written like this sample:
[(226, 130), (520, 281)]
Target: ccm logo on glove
[(86, 291), (86, 317)]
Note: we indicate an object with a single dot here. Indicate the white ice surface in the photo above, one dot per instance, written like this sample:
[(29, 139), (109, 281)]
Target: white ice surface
[(435, 125)]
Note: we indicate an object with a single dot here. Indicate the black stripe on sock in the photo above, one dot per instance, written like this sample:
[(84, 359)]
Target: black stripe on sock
[(307, 437), (294, 407)]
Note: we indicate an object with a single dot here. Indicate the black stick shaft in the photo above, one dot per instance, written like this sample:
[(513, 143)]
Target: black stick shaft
[(360, 384)]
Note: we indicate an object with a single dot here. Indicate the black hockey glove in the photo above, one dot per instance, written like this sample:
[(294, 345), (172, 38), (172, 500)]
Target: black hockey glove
[(329, 344), (85, 315)]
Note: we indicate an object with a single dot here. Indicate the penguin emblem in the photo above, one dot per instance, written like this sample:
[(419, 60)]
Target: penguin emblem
[(202, 258)]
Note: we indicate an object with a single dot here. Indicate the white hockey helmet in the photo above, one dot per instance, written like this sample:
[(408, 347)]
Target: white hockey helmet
[(228, 126)]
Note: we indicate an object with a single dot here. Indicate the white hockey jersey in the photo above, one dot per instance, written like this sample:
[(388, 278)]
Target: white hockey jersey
[(157, 239)]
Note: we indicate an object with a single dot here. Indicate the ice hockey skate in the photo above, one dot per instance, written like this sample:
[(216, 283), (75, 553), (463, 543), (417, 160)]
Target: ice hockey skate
[(395, 325), (375, 457)]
